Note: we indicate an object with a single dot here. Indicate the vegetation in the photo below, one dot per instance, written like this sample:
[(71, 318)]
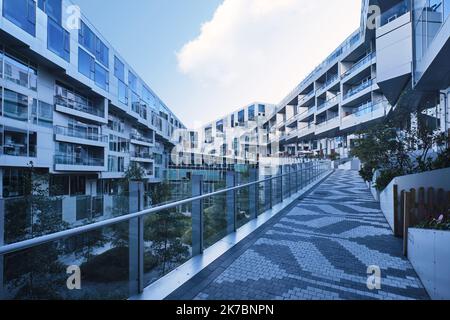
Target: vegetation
[(436, 224), (396, 148)]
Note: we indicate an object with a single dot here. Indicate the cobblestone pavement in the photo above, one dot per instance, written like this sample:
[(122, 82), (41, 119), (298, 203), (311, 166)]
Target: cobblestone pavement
[(318, 249)]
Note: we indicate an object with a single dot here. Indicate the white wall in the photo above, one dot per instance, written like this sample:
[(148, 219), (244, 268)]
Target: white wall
[(438, 179)]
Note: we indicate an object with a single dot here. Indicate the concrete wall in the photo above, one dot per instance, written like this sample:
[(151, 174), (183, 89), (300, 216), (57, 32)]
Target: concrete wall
[(429, 253), (438, 179)]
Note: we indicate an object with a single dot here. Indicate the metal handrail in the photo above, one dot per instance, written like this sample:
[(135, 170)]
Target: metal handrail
[(31, 243)]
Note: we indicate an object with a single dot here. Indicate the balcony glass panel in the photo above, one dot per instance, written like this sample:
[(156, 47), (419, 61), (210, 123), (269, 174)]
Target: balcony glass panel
[(86, 133), (367, 59), (20, 73), (393, 13), (42, 114), (15, 106), (359, 88), (22, 13), (69, 99)]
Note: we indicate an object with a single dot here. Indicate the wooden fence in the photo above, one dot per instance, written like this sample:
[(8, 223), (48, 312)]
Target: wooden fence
[(417, 206)]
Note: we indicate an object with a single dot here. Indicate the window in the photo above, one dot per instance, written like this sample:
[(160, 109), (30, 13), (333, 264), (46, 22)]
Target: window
[(232, 120), (86, 37), (42, 114), (86, 64), (93, 44), (219, 126), (123, 93), (58, 40), (251, 113), (132, 81), (22, 13), (13, 184), (20, 72), (241, 117), (53, 9), (119, 69), (101, 77), (102, 53), (15, 105), (261, 109), (19, 143)]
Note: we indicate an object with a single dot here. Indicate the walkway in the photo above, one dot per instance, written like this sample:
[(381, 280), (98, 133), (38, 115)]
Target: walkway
[(319, 248)]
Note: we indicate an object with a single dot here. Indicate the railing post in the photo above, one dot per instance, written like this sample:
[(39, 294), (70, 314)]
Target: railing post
[(197, 216), (281, 184), (231, 202), (2, 239), (270, 193), (252, 194), (136, 239), (289, 180), (296, 178)]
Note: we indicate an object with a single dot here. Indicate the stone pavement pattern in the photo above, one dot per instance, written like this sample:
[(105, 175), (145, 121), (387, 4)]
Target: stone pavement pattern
[(319, 249)]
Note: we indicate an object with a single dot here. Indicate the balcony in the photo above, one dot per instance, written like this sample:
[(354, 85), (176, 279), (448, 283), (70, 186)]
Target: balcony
[(306, 98), (140, 139), (141, 156), (68, 162), (306, 130), (393, 13), (355, 90), (73, 104), (329, 103), (366, 61), (86, 136), (328, 83), (364, 113), (330, 124)]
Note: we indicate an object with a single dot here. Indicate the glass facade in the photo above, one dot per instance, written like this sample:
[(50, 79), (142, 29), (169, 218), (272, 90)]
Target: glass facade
[(58, 40), (22, 13), (119, 69), (53, 9), (93, 44), (428, 16)]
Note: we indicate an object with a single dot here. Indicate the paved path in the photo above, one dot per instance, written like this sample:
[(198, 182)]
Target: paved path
[(319, 248)]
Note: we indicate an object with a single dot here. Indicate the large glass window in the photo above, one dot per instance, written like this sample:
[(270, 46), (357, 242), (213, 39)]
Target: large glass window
[(19, 142), (15, 105), (101, 77), (132, 81), (102, 53), (86, 37), (251, 113), (93, 44), (119, 69), (241, 117), (58, 40), (42, 114), (123, 92), (86, 64), (22, 13), (20, 72), (53, 8)]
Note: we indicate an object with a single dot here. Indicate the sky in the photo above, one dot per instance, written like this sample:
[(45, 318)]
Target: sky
[(208, 58)]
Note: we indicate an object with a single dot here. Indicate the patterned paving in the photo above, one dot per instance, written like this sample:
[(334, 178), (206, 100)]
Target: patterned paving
[(318, 249)]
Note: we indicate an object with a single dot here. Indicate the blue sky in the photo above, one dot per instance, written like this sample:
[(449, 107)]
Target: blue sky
[(206, 58)]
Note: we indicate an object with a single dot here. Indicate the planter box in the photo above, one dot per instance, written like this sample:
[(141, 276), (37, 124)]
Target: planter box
[(429, 253)]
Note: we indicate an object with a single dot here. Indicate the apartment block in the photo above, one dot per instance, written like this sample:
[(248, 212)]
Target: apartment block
[(71, 107), (398, 59)]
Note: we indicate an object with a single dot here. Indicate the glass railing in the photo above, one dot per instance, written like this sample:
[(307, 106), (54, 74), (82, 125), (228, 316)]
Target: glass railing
[(71, 160), (331, 80), (331, 119), (359, 88), (141, 155), (366, 108), (367, 59), (79, 105), (140, 137), (121, 255), (328, 102), (19, 74), (80, 133), (393, 13)]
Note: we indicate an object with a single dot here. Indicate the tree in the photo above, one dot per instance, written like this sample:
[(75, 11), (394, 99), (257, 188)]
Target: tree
[(37, 273), (395, 147)]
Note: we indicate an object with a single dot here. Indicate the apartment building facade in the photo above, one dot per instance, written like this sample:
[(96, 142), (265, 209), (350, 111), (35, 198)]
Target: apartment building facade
[(71, 107), (386, 64)]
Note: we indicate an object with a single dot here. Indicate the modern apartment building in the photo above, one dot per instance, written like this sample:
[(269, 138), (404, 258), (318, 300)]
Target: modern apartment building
[(71, 106), (239, 135), (398, 59)]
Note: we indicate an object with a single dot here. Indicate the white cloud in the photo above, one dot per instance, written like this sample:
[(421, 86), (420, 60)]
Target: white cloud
[(258, 50)]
